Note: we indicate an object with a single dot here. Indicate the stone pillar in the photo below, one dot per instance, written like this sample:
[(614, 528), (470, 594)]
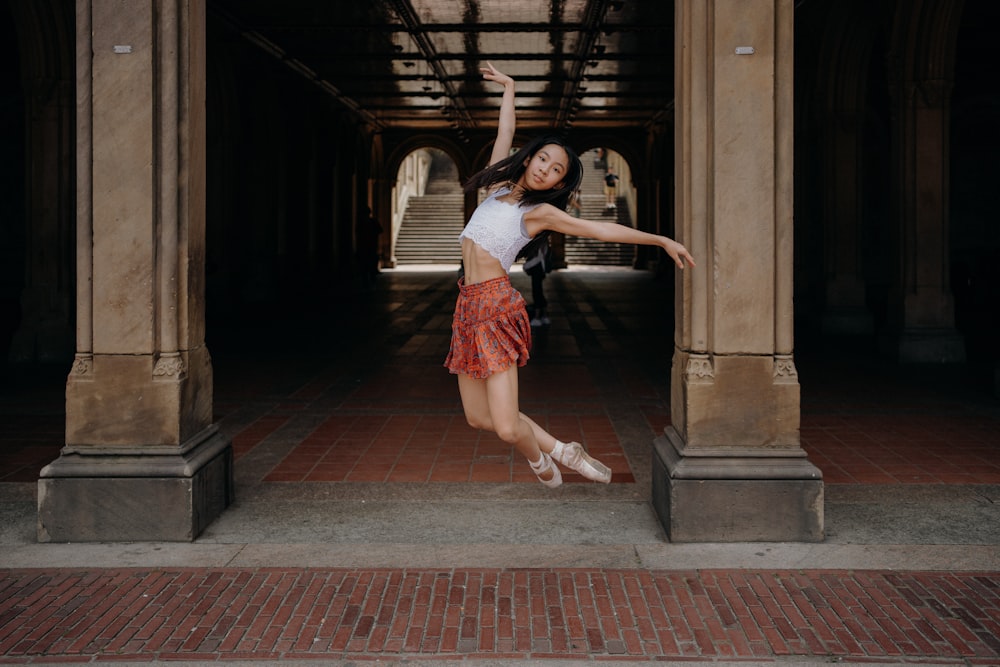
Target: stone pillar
[(731, 467), (846, 311), (142, 459), (922, 157)]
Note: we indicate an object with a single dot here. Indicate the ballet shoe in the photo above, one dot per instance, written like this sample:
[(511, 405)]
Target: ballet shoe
[(544, 465), (575, 457)]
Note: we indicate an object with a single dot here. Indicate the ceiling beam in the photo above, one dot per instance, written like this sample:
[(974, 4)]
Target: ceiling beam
[(463, 28), (593, 17), (297, 66), (405, 12)]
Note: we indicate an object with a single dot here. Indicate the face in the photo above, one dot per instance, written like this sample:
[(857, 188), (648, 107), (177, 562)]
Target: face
[(546, 169)]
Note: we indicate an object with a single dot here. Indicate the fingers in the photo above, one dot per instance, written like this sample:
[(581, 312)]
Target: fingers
[(680, 255), (493, 74)]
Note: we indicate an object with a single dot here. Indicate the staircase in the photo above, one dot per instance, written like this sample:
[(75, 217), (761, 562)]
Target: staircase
[(432, 222), (589, 251)]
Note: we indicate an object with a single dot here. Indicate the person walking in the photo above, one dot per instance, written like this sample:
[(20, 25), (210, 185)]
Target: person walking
[(610, 189), (537, 267), (491, 332)]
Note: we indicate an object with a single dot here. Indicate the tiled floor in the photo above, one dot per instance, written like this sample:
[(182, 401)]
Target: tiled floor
[(422, 448), (386, 411)]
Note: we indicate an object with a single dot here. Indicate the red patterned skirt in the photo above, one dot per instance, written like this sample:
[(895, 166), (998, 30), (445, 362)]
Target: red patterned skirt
[(490, 330)]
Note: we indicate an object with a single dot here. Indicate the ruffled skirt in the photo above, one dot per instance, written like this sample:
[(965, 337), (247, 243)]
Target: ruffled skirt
[(490, 330)]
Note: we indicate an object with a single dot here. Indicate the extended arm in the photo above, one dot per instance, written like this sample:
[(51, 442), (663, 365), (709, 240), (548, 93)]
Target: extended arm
[(548, 217), (508, 121)]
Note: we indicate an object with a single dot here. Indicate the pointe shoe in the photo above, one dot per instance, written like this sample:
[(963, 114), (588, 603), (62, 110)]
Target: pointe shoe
[(575, 457), (544, 465)]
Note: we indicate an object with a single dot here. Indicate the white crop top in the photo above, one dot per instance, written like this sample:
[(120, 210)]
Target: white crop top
[(498, 228)]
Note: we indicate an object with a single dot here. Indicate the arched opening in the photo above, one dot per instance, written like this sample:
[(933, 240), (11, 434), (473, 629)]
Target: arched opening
[(428, 210), (607, 193)]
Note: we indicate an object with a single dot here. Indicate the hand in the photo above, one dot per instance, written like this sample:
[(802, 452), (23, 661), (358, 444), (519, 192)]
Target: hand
[(491, 73), (678, 253)]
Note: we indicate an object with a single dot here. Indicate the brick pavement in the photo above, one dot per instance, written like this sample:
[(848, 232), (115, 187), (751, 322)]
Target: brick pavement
[(276, 614)]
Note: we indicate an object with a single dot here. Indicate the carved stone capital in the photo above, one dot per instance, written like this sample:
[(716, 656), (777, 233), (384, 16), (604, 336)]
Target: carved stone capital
[(784, 369), (169, 366), (83, 367), (699, 369)]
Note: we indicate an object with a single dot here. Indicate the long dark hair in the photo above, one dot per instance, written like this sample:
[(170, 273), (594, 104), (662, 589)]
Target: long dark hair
[(510, 169)]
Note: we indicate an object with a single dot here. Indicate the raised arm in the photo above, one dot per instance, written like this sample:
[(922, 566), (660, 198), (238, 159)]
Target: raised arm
[(508, 121), (548, 217)]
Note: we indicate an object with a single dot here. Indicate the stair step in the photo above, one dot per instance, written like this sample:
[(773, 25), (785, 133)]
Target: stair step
[(432, 222)]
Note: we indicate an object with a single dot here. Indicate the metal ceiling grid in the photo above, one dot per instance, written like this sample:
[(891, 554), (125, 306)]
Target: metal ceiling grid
[(415, 63)]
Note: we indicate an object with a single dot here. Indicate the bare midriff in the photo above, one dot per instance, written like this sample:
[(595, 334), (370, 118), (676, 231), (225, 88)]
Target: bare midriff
[(479, 265)]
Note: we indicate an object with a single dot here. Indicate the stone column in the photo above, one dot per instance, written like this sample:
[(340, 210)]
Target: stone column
[(846, 311), (922, 156), (142, 459), (731, 467)]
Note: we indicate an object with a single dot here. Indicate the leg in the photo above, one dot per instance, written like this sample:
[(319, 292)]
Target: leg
[(491, 405), (572, 455), (502, 398), (475, 403), (477, 412), (541, 304)]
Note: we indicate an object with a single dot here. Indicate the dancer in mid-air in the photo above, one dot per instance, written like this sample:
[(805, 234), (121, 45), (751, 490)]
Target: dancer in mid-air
[(491, 332)]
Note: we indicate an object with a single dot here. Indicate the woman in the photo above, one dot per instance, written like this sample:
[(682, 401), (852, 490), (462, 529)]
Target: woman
[(491, 332)]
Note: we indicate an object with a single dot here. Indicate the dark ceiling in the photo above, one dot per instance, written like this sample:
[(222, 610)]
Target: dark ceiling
[(414, 64)]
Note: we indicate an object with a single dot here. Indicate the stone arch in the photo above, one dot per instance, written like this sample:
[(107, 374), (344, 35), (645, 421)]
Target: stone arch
[(393, 159), (629, 150), (45, 33), (398, 152), (924, 38), (921, 76)]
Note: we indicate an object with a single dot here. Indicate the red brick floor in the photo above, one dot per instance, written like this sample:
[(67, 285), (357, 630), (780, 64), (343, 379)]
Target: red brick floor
[(430, 448), (283, 614), (862, 422)]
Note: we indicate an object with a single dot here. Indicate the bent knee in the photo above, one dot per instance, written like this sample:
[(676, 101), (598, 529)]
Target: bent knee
[(508, 432), (479, 422)]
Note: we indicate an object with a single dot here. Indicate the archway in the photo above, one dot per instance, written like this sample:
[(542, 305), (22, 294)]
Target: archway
[(428, 210)]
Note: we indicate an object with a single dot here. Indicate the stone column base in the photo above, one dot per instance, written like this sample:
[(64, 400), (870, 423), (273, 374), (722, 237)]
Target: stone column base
[(931, 346), (741, 495), (136, 496)]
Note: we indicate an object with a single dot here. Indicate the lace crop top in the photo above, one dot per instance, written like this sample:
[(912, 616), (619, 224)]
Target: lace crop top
[(498, 228)]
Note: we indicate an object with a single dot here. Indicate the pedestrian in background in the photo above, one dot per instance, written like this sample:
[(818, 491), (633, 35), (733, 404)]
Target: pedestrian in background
[(610, 189)]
